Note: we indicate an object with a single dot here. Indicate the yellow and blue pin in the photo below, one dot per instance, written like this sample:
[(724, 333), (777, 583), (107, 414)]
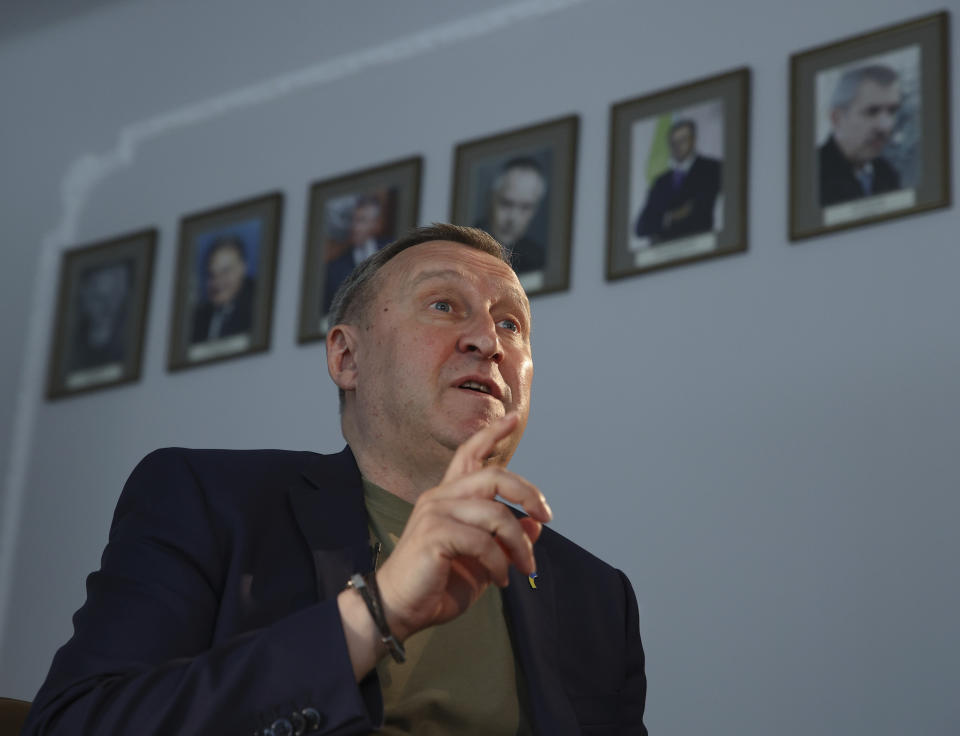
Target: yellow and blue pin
[(532, 578)]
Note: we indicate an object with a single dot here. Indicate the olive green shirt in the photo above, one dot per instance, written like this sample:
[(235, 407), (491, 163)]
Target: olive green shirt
[(460, 677)]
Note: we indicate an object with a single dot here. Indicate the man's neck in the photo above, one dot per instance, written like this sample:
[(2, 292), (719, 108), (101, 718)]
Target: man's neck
[(685, 164), (401, 483), (403, 475)]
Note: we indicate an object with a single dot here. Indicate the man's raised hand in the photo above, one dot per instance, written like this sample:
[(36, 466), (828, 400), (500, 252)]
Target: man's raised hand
[(459, 539)]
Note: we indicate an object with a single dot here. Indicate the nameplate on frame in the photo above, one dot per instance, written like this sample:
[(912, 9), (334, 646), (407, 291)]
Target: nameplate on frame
[(218, 348), (94, 376), (878, 204), (673, 250)]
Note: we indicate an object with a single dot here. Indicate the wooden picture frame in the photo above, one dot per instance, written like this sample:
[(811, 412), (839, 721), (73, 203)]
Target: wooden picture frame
[(518, 186), (349, 218), (869, 128), (101, 314), (223, 296), (665, 212)]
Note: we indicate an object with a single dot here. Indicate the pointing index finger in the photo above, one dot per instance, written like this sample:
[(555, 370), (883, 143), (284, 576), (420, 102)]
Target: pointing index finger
[(471, 455)]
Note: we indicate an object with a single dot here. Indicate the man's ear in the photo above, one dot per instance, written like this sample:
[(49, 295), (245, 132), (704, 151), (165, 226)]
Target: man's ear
[(342, 356), (836, 115)]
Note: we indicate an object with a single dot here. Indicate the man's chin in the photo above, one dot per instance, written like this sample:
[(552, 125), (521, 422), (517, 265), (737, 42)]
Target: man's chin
[(469, 426), (463, 428)]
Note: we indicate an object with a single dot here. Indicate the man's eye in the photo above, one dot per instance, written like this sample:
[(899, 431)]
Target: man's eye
[(442, 306), (510, 325)]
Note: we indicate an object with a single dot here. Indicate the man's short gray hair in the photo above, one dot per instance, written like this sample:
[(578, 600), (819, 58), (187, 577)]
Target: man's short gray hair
[(521, 163), (849, 84), (356, 293)]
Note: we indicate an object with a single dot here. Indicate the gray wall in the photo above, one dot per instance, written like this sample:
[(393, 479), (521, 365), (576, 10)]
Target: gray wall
[(767, 444)]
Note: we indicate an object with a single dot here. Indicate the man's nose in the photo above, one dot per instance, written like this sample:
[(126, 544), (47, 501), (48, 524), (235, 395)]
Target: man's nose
[(480, 336), (887, 121)]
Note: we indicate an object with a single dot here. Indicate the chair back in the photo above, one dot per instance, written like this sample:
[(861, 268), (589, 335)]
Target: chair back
[(12, 715)]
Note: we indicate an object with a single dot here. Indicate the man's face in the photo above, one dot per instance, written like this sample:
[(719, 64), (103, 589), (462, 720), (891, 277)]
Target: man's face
[(681, 143), (863, 128), (514, 204), (225, 275), (443, 352), (365, 223), (102, 297)]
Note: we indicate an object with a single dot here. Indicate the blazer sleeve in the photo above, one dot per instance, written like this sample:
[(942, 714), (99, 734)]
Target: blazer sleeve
[(650, 220), (143, 659), (634, 694)]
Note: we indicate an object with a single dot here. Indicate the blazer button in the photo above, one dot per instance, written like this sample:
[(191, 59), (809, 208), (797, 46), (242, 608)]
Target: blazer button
[(281, 727), (299, 723), (314, 718)]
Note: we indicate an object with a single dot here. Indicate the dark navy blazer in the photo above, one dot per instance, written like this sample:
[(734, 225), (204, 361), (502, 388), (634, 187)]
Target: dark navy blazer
[(692, 202), (839, 183), (214, 611)]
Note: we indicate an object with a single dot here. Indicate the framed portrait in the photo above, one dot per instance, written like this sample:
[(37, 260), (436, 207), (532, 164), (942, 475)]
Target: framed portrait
[(518, 186), (350, 218), (223, 297), (678, 175), (101, 314), (869, 128)]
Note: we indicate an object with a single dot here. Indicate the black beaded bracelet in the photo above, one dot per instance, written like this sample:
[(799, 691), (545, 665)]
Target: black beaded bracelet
[(366, 586)]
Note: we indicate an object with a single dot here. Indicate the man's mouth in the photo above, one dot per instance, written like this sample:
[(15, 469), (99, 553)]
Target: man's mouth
[(481, 385), (476, 386)]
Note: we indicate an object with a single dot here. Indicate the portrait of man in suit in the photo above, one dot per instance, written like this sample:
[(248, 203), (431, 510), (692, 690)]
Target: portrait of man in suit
[(226, 307), (102, 308), (514, 198), (681, 200), (365, 236), (864, 111)]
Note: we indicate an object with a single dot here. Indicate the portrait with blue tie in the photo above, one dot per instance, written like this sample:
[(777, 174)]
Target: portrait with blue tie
[(869, 127), (864, 112), (681, 201), (678, 175)]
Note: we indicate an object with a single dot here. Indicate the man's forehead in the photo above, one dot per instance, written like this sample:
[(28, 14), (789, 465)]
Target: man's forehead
[(522, 176), (225, 256), (447, 260), (506, 288), (871, 90)]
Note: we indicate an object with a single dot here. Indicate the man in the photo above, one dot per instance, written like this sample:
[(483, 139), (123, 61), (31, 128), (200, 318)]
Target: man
[(863, 114), (102, 306), (366, 227), (680, 203), (228, 308), (220, 606), (515, 197)]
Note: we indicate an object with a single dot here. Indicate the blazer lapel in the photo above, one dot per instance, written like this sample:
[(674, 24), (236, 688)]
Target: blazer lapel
[(328, 506), (532, 618), (329, 509)]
